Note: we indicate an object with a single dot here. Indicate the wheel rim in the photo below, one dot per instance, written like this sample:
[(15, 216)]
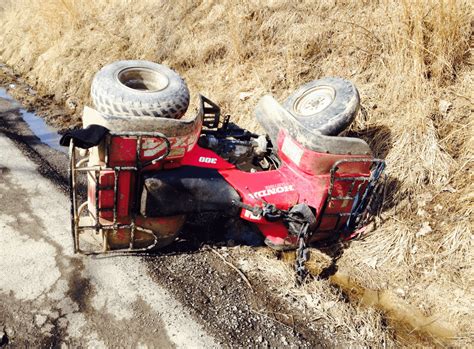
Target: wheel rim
[(142, 79), (314, 100)]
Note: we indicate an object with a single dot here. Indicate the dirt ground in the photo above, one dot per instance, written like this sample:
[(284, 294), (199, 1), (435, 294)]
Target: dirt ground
[(54, 113)]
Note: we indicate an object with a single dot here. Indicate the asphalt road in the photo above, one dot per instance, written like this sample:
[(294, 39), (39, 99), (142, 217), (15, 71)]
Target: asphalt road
[(50, 297)]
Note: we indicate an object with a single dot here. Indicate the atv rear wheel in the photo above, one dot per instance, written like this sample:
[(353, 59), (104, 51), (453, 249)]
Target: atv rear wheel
[(139, 88), (327, 105)]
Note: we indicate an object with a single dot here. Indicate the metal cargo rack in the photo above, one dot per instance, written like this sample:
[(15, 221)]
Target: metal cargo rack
[(79, 166), (359, 195)]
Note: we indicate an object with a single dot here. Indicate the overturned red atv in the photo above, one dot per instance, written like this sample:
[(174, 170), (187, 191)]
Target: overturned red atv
[(149, 164)]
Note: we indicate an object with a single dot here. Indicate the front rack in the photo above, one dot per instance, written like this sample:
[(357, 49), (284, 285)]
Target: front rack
[(78, 166), (359, 194)]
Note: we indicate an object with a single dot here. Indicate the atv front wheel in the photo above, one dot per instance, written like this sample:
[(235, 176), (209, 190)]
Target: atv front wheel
[(327, 105), (139, 88)]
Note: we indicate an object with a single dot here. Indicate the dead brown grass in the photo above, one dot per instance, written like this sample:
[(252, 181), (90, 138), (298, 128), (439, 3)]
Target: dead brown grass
[(405, 57)]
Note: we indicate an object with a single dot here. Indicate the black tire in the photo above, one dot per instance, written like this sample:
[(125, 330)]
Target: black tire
[(139, 88), (327, 105)]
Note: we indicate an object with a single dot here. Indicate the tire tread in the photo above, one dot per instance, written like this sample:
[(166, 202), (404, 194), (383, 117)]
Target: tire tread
[(172, 102)]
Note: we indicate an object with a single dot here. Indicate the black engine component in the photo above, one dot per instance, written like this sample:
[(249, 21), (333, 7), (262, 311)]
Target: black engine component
[(186, 190)]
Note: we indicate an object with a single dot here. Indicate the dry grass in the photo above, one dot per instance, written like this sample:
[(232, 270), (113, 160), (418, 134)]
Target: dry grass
[(347, 325), (405, 57)]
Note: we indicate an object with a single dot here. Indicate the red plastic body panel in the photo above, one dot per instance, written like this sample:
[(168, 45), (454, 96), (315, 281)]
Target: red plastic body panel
[(314, 163), (122, 150), (303, 177)]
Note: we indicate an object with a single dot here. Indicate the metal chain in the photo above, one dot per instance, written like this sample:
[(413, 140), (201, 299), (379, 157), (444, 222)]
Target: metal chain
[(298, 225), (302, 255)]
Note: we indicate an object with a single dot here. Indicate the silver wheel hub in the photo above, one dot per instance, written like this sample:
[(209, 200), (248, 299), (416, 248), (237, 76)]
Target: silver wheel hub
[(142, 79), (314, 100)]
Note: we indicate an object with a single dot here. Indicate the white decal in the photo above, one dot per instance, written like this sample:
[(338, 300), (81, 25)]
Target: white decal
[(292, 150), (249, 214), (207, 160), (152, 146), (155, 146), (272, 191)]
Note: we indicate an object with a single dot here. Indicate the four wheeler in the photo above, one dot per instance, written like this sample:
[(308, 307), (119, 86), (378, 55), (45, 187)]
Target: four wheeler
[(150, 164)]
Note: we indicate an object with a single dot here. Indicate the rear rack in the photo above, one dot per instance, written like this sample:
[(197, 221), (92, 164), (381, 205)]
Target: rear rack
[(360, 189), (78, 166)]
